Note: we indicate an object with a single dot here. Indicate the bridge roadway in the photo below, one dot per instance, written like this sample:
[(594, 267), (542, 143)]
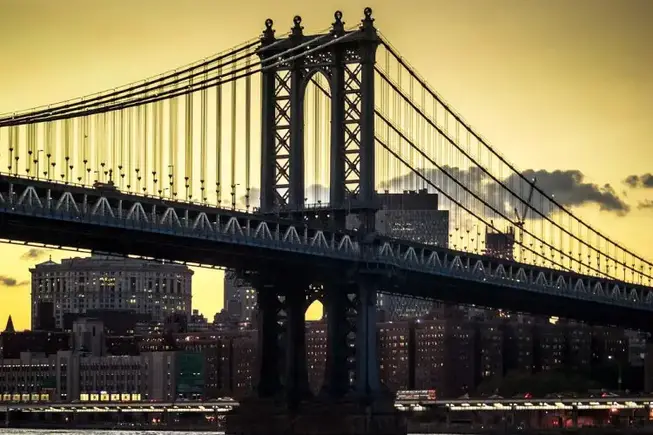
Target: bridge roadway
[(455, 405), (220, 406), (59, 214), (534, 404)]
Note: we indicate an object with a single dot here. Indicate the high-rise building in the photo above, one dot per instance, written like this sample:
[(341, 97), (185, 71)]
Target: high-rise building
[(396, 354), (239, 298), (500, 245), (316, 353), (102, 282), (411, 215)]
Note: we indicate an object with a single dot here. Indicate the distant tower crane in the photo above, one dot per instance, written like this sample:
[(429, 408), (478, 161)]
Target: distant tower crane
[(521, 218)]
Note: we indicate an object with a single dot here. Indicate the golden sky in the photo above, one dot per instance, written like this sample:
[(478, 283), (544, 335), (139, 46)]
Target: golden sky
[(552, 84)]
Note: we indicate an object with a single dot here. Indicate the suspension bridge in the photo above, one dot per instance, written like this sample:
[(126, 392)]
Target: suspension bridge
[(270, 157)]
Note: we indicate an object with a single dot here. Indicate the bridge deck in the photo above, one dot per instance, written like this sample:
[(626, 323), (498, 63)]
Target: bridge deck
[(112, 221)]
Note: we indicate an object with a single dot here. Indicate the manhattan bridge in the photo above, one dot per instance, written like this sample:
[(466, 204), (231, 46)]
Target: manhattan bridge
[(272, 159)]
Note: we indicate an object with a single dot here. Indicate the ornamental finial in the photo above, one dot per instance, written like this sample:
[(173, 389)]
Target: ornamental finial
[(368, 21), (268, 33), (297, 29), (339, 25)]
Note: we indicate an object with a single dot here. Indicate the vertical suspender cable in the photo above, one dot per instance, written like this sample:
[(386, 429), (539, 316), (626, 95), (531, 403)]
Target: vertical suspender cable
[(30, 149), (145, 144), (114, 144), (156, 143), (218, 139), (67, 144), (49, 146), (139, 146), (203, 133), (86, 155), (130, 148), (233, 140), (96, 146), (248, 133), (105, 146), (121, 158), (173, 164), (188, 154), (317, 143), (159, 174)]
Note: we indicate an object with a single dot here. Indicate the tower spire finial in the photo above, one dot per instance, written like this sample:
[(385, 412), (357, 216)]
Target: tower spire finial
[(268, 33), (367, 23), (338, 25), (297, 29)]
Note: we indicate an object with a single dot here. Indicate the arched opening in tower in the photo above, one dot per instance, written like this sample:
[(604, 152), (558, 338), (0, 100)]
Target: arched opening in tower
[(317, 140)]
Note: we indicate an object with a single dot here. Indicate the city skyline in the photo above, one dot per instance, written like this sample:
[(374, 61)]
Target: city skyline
[(571, 80)]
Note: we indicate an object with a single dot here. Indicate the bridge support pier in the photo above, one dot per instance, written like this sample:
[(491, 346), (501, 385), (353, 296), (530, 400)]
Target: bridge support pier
[(367, 363), (296, 376), (350, 402), (269, 348), (337, 370)]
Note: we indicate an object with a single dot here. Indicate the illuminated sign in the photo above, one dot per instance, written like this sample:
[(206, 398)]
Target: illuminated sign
[(416, 395)]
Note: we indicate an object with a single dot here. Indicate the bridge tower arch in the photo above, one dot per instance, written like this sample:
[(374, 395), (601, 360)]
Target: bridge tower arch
[(347, 59)]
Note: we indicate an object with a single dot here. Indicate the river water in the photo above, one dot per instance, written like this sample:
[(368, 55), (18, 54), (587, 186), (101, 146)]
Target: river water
[(98, 432), (102, 432)]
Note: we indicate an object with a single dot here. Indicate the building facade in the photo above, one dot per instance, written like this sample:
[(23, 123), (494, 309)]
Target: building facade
[(239, 299), (78, 285), (414, 216)]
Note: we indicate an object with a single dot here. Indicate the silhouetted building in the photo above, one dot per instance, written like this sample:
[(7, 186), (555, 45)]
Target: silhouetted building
[(9, 328), (316, 353), (578, 337), (500, 245), (239, 298), (45, 342), (518, 347), (549, 346), (411, 215), (395, 359), (101, 282), (489, 341), (116, 322), (45, 316)]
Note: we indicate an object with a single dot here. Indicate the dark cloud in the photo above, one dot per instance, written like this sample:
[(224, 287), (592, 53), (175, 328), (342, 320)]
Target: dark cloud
[(644, 181), (568, 188), (33, 254), (8, 281), (646, 204)]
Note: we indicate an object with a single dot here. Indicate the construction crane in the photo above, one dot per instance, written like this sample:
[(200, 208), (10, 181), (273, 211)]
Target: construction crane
[(521, 218)]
